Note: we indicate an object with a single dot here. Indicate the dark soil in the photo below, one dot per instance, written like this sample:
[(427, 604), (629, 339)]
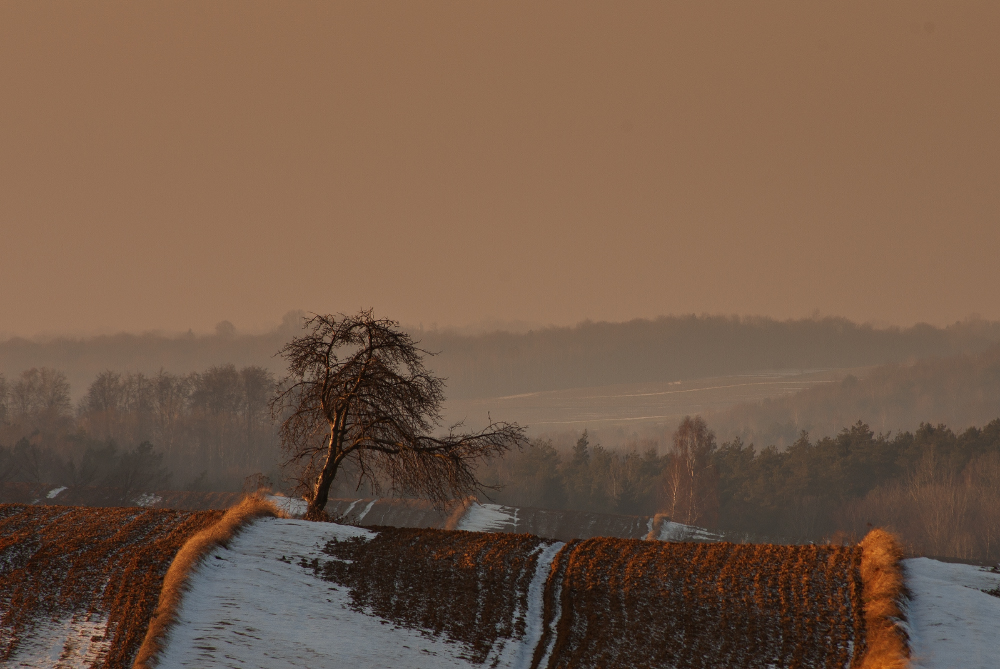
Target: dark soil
[(59, 561)]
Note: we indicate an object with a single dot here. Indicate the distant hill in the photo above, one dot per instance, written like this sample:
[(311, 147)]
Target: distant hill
[(959, 390), (502, 363)]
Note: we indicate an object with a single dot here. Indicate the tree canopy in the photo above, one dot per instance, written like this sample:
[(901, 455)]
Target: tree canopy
[(357, 390)]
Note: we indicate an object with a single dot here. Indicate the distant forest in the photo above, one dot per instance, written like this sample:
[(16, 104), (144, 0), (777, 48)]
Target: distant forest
[(500, 363), (819, 464), (938, 489), (211, 430), (961, 391), (200, 431)]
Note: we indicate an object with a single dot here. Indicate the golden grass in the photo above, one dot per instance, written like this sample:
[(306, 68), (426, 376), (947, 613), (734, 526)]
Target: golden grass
[(883, 590), (461, 506), (197, 548), (654, 529)]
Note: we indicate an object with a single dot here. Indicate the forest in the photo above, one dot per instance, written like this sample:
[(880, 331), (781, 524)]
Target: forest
[(959, 390), (199, 431), (491, 364), (210, 430), (938, 488)]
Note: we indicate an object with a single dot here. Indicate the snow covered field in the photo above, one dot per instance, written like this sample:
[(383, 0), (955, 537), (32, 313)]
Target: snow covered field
[(953, 624), (253, 605), (256, 604)]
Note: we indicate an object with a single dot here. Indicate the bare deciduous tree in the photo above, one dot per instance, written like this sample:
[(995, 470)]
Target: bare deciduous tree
[(689, 484), (357, 390)]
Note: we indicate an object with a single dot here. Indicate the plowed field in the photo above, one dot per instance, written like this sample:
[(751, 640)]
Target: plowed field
[(705, 605), (615, 602), (472, 587), (95, 574)]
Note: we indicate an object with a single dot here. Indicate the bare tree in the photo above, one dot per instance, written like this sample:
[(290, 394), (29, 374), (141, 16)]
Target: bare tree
[(40, 398), (357, 390), (689, 484), (4, 399)]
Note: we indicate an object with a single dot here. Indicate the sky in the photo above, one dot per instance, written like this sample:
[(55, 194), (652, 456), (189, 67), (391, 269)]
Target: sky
[(169, 165)]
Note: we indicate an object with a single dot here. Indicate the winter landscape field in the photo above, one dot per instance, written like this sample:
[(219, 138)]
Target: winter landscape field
[(79, 586)]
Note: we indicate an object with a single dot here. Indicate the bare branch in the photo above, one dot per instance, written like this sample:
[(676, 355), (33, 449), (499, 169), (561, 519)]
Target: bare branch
[(357, 389)]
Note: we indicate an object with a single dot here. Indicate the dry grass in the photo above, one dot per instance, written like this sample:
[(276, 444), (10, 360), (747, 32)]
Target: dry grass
[(175, 583), (883, 591), (455, 517), (654, 529), (60, 562)]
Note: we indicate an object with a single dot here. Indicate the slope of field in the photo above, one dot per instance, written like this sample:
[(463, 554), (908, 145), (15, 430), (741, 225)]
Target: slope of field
[(639, 406), (78, 585), (393, 512), (24, 493), (290, 593), (953, 622), (258, 605), (476, 517)]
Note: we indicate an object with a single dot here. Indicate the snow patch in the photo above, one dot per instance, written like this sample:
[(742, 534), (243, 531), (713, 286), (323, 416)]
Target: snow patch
[(147, 499), (533, 620), (294, 507), (952, 623), (554, 625), (55, 492), (351, 506), (671, 531), (73, 642), (253, 605), (487, 518), (368, 508)]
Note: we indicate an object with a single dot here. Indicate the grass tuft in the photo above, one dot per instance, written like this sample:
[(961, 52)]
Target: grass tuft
[(883, 592), (656, 527), (197, 548), (461, 506)]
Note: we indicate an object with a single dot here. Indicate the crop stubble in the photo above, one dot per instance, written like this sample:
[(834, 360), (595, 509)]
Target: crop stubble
[(470, 587), (708, 605), (615, 602), (60, 561)]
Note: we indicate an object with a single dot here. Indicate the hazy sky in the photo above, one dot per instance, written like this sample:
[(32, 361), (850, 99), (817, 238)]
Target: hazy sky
[(171, 164)]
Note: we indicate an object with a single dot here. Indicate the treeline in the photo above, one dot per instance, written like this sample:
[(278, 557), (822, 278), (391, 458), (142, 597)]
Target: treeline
[(210, 430), (200, 431), (503, 363), (681, 347), (960, 391), (938, 488)]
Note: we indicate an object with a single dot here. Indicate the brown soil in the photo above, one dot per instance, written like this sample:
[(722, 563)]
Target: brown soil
[(23, 493), (467, 586), (616, 602), (558, 525), (708, 605), (59, 561)]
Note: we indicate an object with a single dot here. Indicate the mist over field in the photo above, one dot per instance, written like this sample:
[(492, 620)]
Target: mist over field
[(602, 402), (513, 334), (501, 363)]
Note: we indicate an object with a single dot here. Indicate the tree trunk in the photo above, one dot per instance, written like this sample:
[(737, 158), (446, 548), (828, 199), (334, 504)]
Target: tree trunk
[(321, 491)]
